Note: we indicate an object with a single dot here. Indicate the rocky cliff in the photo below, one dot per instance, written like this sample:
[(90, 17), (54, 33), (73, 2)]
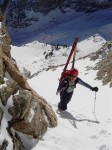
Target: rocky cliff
[(104, 66), (30, 112)]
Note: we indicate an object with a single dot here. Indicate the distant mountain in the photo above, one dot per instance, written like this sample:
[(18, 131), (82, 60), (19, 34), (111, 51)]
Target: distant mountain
[(21, 16), (21, 13)]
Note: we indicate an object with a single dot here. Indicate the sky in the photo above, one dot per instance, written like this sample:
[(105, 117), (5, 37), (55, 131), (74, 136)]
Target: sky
[(86, 125)]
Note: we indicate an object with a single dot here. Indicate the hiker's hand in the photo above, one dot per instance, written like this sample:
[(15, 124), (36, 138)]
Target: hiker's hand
[(95, 89)]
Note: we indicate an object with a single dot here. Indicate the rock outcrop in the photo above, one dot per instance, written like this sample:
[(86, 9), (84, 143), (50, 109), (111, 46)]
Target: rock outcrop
[(104, 66), (31, 114), (4, 145), (105, 70)]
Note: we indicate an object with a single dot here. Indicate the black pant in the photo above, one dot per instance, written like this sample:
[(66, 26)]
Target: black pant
[(64, 99)]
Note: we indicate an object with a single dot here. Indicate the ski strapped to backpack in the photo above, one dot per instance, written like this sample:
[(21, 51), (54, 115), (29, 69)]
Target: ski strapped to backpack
[(72, 52)]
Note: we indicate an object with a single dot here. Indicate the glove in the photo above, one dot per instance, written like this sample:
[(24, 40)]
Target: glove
[(95, 89)]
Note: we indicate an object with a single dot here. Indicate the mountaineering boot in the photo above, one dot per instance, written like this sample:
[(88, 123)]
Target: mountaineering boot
[(59, 107)]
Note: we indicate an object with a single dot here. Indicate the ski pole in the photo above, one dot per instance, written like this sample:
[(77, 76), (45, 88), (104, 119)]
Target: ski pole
[(95, 108)]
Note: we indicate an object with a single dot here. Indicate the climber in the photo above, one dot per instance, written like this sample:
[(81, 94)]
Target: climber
[(66, 88)]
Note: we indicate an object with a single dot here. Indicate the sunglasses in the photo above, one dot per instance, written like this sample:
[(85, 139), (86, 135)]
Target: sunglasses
[(73, 76)]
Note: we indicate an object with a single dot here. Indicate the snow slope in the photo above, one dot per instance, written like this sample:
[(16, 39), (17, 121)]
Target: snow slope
[(86, 125)]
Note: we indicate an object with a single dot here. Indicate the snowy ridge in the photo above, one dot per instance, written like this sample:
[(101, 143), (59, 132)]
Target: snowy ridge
[(36, 55)]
